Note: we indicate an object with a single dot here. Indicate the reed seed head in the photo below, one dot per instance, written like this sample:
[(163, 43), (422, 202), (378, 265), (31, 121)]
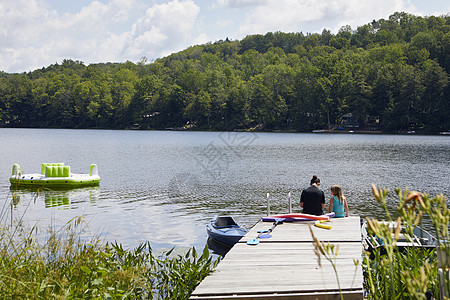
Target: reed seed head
[(376, 193)]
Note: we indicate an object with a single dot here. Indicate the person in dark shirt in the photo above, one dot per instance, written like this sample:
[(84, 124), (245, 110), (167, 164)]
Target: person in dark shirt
[(312, 199)]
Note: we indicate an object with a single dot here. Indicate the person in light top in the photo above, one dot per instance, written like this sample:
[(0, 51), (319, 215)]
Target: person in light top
[(338, 202)]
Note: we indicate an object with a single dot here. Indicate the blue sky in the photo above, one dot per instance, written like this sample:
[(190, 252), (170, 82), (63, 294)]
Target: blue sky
[(37, 33)]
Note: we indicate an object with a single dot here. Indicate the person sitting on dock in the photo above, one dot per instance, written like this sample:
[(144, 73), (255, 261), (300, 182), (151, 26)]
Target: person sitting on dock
[(312, 199), (338, 202)]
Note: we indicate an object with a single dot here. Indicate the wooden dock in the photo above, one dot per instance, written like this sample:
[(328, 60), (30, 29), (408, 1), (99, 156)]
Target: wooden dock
[(285, 266)]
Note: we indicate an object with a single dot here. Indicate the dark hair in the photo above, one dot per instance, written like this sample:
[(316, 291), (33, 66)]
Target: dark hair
[(315, 180)]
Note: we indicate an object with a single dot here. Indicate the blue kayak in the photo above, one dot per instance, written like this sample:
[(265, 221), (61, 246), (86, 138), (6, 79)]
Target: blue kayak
[(225, 230)]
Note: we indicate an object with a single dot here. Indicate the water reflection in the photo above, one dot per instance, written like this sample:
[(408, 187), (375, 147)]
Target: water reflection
[(217, 248), (56, 200), (62, 198)]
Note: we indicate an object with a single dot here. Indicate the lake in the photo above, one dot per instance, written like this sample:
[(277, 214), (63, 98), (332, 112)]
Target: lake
[(164, 186)]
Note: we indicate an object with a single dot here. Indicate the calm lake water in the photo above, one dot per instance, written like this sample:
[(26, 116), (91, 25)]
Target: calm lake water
[(164, 186)]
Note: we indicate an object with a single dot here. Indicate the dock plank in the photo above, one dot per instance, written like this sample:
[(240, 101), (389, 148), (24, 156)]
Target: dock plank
[(342, 231), (286, 266)]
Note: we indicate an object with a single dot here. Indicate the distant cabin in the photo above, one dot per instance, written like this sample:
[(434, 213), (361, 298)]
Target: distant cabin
[(348, 121)]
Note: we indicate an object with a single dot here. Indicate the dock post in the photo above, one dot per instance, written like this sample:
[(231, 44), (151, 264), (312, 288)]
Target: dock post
[(268, 204), (290, 203)]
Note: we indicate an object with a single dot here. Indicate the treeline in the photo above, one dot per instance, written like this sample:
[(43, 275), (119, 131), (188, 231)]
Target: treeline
[(391, 75)]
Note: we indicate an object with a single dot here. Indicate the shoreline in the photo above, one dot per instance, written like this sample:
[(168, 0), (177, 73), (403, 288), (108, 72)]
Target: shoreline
[(316, 131)]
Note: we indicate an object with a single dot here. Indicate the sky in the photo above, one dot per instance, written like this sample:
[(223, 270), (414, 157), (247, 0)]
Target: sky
[(38, 33)]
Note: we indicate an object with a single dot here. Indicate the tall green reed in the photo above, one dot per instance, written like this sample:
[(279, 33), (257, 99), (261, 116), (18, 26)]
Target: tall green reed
[(67, 266), (413, 273), (410, 274)]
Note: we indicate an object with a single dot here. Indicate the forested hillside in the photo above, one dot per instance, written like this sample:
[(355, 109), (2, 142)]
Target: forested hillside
[(390, 75)]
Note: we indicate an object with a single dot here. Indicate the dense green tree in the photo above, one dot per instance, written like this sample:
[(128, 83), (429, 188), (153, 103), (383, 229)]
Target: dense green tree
[(304, 112), (145, 99), (434, 103), (122, 91), (393, 70), (18, 101)]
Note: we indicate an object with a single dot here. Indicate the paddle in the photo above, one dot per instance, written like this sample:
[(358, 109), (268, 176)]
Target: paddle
[(265, 233)]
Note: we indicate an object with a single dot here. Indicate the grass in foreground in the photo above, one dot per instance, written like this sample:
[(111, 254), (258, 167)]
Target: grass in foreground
[(66, 267), (411, 274)]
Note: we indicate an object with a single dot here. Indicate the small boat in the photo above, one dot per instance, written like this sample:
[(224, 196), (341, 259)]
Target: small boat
[(55, 175), (421, 238), (225, 230)]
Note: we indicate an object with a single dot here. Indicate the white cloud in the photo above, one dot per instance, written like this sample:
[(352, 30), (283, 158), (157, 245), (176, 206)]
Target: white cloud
[(201, 39), (241, 3), (163, 28), (19, 19), (295, 15), (357, 13), (33, 35)]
